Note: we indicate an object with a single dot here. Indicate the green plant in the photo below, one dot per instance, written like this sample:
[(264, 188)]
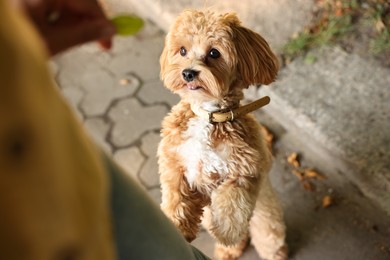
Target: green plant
[(336, 19), (381, 43), (380, 15)]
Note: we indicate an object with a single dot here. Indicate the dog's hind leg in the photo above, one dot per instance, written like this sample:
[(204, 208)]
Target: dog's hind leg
[(267, 228)]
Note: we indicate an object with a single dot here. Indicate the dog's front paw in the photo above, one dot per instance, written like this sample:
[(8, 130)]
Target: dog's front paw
[(231, 210), (280, 254), (184, 209), (227, 233), (222, 252)]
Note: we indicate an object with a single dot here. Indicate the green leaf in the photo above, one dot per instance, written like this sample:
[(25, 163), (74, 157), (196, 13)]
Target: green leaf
[(127, 24)]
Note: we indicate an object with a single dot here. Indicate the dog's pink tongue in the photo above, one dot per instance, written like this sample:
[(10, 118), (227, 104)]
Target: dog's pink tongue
[(192, 86)]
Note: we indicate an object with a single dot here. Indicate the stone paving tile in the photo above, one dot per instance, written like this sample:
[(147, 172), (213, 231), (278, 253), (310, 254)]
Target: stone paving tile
[(53, 66), (74, 96), (149, 144), (132, 120), (126, 45), (102, 88), (123, 46), (73, 64), (149, 172), (155, 194), (98, 129), (154, 92), (204, 242), (130, 159), (114, 7), (142, 59)]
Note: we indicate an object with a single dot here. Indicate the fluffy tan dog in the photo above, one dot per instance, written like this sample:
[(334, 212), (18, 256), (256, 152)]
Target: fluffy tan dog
[(218, 171)]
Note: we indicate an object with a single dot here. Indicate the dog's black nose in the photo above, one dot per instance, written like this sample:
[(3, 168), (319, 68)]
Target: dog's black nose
[(189, 75)]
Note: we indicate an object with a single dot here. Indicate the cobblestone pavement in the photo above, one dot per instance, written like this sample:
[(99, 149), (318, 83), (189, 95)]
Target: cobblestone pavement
[(121, 101)]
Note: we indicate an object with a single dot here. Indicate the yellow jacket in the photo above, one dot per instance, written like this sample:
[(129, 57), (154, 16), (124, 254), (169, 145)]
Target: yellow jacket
[(54, 191)]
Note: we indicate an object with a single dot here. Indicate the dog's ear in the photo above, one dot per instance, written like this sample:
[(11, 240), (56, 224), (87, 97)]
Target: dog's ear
[(163, 61), (257, 64)]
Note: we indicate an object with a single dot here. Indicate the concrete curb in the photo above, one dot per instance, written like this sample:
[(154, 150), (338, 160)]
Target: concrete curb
[(339, 105)]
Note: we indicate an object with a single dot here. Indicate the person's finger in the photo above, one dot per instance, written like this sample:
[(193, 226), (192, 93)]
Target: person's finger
[(60, 40), (105, 43)]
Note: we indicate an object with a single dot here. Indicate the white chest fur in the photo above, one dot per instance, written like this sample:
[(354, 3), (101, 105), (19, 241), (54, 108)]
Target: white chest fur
[(199, 156)]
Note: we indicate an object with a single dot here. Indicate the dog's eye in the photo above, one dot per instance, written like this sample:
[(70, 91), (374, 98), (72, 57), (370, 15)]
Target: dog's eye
[(183, 51), (214, 53)]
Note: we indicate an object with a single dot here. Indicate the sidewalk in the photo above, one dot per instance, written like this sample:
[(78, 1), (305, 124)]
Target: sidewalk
[(121, 101)]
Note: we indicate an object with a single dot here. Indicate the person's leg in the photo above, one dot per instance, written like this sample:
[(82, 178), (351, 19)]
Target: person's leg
[(141, 229)]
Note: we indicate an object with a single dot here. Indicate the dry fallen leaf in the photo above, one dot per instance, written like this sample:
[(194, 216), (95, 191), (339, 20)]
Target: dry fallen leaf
[(293, 159), (298, 174), (305, 175), (308, 185), (124, 82), (268, 136), (310, 173), (379, 25), (327, 201)]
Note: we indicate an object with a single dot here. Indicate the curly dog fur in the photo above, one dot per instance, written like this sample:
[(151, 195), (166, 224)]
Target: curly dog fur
[(218, 172)]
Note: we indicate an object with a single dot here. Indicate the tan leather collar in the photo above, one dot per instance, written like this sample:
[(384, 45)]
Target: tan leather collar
[(221, 117)]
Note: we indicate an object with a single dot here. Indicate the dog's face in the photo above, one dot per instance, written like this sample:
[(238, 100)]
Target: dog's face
[(210, 58)]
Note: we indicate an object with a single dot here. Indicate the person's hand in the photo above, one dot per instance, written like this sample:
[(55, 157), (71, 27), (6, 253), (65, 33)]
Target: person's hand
[(66, 23)]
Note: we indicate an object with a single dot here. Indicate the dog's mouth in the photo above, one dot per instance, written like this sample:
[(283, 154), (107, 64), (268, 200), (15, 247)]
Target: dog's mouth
[(193, 86)]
